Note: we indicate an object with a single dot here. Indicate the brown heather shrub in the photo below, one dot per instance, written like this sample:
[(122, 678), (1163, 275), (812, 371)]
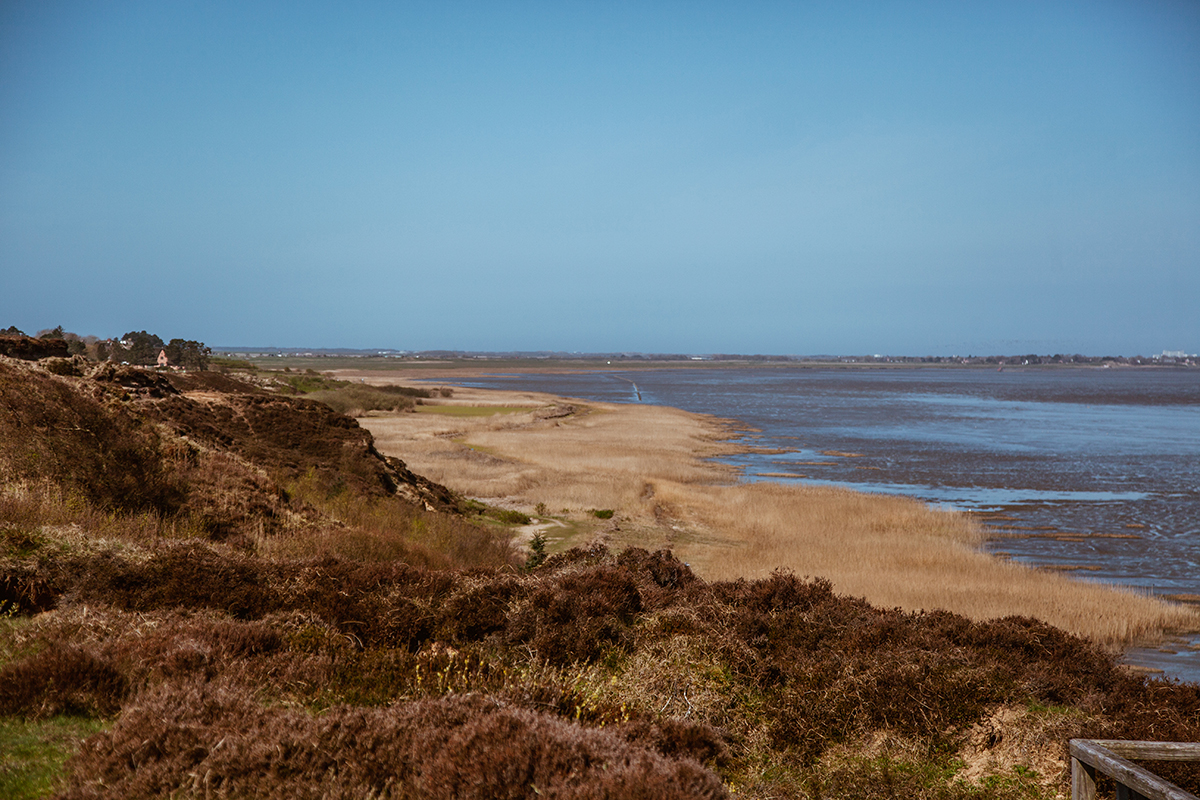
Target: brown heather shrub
[(26, 588), (183, 646), (204, 739), (350, 595), (188, 575), (739, 675), (676, 738), (835, 668), (1150, 710), (391, 528), (378, 677), (472, 614), (60, 679), (405, 623), (780, 592), (288, 436), (378, 604), (662, 578), (131, 454), (576, 616)]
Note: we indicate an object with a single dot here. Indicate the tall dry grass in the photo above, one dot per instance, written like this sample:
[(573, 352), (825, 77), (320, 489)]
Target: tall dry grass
[(897, 552), (35, 514), (654, 466), (382, 529), (31, 507)]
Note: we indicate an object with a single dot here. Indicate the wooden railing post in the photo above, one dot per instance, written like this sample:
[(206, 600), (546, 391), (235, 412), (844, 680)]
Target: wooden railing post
[(1111, 757), (1083, 780)]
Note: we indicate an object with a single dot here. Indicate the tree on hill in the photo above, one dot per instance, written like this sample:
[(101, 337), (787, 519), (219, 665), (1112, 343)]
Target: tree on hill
[(76, 345), (138, 347), (98, 349), (12, 330), (188, 353)]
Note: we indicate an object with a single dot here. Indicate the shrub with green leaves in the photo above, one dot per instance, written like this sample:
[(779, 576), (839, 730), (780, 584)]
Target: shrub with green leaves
[(537, 552)]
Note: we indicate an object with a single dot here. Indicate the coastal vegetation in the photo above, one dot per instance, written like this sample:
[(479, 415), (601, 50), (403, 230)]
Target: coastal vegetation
[(221, 587), (654, 467)]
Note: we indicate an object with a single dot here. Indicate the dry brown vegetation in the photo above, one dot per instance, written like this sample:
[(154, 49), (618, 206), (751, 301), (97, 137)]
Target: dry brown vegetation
[(897, 552), (279, 613), (151, 457), (650, 464), (597, 675)]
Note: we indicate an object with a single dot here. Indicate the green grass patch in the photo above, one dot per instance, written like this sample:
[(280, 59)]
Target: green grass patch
[(505, 516), (309, 381), (472, 411), (1044, 709), (509, 517), (231, 363), (348, 397), (32, 753)]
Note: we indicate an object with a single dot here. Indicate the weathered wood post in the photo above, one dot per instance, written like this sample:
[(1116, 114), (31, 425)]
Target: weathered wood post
[(1110, 756), (1083, 780)]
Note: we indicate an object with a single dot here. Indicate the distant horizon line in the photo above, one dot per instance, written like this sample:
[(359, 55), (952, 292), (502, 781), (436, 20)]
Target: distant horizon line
[(653, 356)]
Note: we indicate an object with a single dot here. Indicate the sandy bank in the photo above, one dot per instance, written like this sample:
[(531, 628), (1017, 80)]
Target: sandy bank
[(655, 468)]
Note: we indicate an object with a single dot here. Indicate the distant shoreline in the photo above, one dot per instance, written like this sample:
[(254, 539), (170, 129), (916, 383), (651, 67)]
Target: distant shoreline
[(415, 368)]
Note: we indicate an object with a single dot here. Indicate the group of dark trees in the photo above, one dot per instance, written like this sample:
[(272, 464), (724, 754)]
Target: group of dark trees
[(136, 347), (141, 347)]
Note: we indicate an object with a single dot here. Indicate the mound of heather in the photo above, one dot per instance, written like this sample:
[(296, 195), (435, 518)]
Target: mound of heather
[(596, 675), (289, 436), (197, 446), (212, 739), (29, 348)]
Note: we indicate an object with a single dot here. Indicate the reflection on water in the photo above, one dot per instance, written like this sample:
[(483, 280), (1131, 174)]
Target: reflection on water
[(1088, 470)]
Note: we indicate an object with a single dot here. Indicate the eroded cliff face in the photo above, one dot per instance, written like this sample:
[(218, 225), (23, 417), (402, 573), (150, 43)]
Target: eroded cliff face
[(202, 445), (291, 436)]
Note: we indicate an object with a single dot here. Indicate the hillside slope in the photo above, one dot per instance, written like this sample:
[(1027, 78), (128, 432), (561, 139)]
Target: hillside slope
[(198, 446)]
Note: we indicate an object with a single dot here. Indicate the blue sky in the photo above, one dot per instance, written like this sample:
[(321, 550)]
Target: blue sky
[(905, 178)]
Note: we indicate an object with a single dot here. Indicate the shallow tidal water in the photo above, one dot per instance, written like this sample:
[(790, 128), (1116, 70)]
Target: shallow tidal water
[(1092, 471)]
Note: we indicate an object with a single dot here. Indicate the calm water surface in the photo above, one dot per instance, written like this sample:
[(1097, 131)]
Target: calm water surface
[(1094, 471)]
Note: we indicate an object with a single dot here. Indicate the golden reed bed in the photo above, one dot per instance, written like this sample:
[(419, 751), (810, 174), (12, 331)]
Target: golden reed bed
[(654, 467)]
